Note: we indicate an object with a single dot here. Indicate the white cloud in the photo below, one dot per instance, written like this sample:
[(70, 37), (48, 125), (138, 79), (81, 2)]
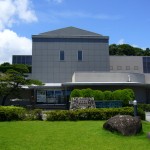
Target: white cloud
[(121, 41), (12, 11), (12, 44)]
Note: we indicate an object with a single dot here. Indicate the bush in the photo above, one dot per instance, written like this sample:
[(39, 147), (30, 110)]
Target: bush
[(13, 113), (76, 93), (98, 95), (117, 95), (108, 95), (35, 114), (125, 95), (91, 114), (144, 107), (9, 113), (87, 92)]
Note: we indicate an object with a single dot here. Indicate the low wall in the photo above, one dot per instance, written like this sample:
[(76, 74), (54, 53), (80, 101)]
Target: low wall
[(108, 104)]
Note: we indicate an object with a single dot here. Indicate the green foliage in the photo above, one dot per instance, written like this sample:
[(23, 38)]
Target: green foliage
[(9, 113), (117, 95), (91, 114), (87, 92), (108, 95), (76, 93), (35, 114), (98, 95), (144, 107), (16, 67), (12, 78), (125, 95), (127, 50)]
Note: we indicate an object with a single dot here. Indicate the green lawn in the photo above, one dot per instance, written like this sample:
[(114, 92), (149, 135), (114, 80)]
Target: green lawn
[(80, 135)]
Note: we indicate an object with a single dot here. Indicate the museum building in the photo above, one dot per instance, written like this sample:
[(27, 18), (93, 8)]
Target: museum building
[(69, 58)]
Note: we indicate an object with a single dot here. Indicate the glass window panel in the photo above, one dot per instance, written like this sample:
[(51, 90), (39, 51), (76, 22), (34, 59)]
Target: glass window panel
[(50, 94), (29, 60), (127, 67), (14, 59), (146, 64), (62, 55), (18, 60), (119, 67), (58, 93), (23, 60), (79, 55)]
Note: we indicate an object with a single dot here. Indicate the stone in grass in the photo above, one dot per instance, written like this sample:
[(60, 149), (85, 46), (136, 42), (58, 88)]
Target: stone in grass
[(124, 124), (148, 135)]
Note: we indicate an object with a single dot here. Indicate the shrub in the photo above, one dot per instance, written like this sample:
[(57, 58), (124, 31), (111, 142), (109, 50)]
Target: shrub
[(76, 93), (117, 95), (131, 93), (125, 96), (98, 95), (87, 92), (144, 107), (35, 114), (91, 114), (9, 113), (108, 95)]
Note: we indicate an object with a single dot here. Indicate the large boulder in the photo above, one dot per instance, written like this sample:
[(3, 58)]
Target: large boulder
[(124, 124)]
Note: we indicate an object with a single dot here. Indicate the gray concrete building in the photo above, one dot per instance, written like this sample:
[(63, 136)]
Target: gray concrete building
[(70, 58), (56, 55)]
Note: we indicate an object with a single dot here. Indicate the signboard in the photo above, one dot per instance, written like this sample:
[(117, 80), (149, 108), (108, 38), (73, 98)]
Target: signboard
[(82, 103)]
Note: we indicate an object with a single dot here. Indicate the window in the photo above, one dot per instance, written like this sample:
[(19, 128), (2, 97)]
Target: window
[(22, 59), (29, 60), (14, 59), (135, 67), (127, 67), (146, 64), (111, 67), (119, 68), (79, 55), (62, 55)]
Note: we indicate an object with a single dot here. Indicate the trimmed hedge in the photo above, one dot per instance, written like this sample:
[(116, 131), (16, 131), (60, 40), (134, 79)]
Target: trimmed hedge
[(91, 114), (125, 95), (12, 113), (144, 107), (35, 114), (9, 113)]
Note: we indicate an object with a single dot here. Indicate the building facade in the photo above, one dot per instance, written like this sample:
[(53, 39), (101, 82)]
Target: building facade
[(56, 55), (70, 58)]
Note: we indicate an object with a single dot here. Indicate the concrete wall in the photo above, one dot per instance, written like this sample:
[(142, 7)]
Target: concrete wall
[(108, 77), (47, 67), (126, 64)]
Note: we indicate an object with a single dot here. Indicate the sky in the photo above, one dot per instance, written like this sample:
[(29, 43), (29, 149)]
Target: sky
[(124, 21)]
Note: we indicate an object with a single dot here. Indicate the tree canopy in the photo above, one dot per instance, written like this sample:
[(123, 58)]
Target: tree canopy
[(127, 50), (12, 78)]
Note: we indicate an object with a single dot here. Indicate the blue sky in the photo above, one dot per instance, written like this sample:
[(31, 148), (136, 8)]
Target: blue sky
[(124, 21)]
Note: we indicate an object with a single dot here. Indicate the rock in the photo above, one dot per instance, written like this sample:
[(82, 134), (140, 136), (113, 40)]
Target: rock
[(124, 124), (148, 135)]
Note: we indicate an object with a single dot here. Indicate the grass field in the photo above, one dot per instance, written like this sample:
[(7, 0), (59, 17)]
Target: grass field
[(80, 135)]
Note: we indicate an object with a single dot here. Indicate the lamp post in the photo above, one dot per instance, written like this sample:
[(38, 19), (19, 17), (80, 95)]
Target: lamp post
[(135, 106)]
